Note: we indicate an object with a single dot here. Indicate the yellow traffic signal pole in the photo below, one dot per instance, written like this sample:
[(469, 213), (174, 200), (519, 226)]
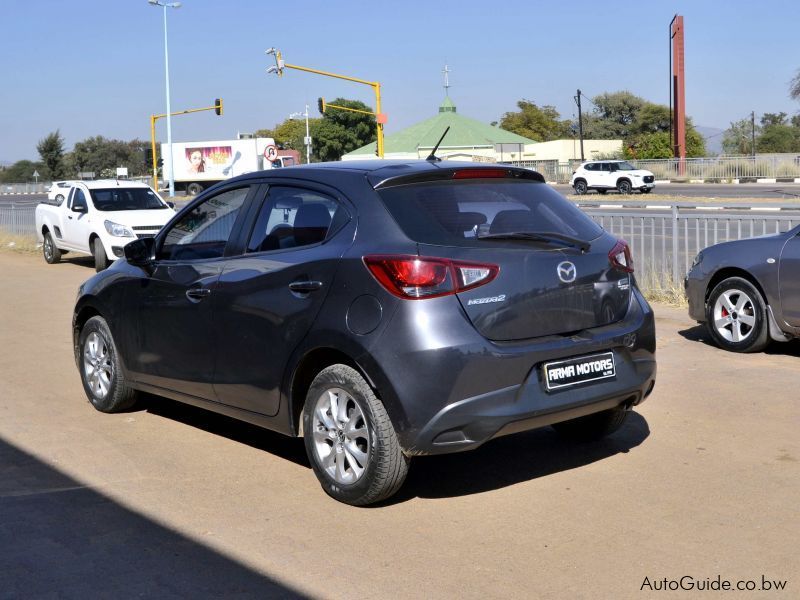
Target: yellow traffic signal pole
[(375, 85), (154, 118)]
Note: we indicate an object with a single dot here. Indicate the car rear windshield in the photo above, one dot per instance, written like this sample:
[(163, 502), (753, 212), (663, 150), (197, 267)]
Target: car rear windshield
[(454, 213), (121, 198)]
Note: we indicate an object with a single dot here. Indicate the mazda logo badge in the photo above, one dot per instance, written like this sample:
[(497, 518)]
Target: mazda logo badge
[(566, 272)]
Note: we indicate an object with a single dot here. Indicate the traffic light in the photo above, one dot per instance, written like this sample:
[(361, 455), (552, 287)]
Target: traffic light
[(148, 157), (218, 106), (321, 105)]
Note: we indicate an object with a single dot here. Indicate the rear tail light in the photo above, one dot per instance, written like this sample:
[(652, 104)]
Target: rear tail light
[(415, 277), (620, 257)]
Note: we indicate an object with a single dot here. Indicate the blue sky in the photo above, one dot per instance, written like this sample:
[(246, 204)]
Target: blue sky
[(97, 68)]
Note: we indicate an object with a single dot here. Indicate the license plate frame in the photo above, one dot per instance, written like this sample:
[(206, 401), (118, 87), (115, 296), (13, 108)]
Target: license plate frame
[(578, 371)]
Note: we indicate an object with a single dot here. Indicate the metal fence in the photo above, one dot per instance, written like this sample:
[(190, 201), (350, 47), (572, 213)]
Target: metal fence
[(664, 244), (719, 168), (18, 220)]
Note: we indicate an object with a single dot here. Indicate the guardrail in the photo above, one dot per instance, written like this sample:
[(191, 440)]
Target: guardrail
[(18, 220), (717, 168)]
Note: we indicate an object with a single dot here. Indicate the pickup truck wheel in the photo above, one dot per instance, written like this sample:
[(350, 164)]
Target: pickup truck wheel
[(592, 427), (100, 258), (51, 252), (193, 189), (350, 440), (101, 372)]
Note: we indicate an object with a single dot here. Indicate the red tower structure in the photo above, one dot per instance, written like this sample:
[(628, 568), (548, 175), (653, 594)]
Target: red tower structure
[(677, 92)]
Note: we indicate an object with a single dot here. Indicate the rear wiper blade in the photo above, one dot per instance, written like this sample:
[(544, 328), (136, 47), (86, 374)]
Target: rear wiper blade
[(541, 236)]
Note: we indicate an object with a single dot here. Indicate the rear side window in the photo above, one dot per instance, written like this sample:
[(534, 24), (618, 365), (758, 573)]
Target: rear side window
[(453, 212), (292, 217)]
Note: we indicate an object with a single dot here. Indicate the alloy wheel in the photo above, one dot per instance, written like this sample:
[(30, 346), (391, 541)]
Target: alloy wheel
[(98, 366), (734, 315), (341, 437), (48, 248)]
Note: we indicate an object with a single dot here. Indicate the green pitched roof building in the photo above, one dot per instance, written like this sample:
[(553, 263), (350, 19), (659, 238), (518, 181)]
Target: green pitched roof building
[(468, 139)]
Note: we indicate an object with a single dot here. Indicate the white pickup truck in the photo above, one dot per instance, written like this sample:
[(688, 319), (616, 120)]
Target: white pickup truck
[(98, 218)]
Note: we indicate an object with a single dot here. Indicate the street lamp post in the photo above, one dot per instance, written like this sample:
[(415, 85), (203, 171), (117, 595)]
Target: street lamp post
[(167, 5), (307, 140)]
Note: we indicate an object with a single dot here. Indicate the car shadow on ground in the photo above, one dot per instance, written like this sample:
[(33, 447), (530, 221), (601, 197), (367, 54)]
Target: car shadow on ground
[(78, 259), (700, 334), (288, 448), (499, 463), (513, 459), (62, 539)]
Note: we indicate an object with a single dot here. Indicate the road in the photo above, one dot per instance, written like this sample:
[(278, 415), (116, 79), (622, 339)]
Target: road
[(779, 192), (174, 502)]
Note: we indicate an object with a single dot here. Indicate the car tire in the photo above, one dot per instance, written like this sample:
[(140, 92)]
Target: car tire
[(736, 316), (193, 189), (59, 199), (647, 190), (580, 187), (51, 253), (601, 191), (592, 427), (350, 440), (101, 369), (99, 253), (624, 186)]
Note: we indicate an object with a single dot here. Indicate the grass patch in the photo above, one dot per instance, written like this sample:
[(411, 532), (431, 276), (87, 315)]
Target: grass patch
[(661, 287), (22, 244)]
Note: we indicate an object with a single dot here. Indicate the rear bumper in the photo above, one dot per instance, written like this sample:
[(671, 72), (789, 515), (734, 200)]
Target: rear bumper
[(468, 424), (454, 392)]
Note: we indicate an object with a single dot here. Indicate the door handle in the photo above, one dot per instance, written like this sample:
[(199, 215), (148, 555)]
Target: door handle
[(69, 217), (197, 294), (305, 286)]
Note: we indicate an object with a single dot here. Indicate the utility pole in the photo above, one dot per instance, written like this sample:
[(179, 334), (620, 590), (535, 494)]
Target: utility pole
[(580, 121), (753, 130)]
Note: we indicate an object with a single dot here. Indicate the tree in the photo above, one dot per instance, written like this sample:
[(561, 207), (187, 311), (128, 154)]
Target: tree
[(51, 151), (21, 171), (738, 138), (540, 124), (794, 87), (339, 132), (769, 119), (102, 156), (614, 115), (289, 134)]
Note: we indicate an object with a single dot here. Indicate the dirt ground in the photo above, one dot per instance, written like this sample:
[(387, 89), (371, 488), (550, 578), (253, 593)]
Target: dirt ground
[(702, 482)]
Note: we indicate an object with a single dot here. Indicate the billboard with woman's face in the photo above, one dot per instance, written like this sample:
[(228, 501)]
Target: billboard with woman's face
[(204, 162)]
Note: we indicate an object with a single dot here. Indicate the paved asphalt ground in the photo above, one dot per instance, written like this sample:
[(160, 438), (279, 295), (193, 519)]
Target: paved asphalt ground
[(780, 192), (173, 502)]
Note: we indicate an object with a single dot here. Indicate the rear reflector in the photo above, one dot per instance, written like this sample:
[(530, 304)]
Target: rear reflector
[(415, 277), (620, 257), (480, 173)]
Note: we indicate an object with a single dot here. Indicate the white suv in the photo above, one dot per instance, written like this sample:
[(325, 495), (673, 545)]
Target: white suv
[(604, 175)]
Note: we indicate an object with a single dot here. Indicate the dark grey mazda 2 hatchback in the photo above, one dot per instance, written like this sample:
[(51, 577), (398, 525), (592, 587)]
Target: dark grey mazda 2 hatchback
[(380, 310)]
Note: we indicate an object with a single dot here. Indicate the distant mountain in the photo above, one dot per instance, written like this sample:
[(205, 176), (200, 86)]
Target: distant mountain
[(6, 163), (713, 138)]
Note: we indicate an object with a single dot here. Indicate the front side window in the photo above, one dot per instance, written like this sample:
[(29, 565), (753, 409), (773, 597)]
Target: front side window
[(203, 232), (79, 199), (122, 198), (292, 217)]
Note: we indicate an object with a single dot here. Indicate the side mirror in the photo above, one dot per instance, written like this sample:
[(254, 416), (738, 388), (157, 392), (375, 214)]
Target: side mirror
[(171, 205), (80, 208), (141, 252)]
